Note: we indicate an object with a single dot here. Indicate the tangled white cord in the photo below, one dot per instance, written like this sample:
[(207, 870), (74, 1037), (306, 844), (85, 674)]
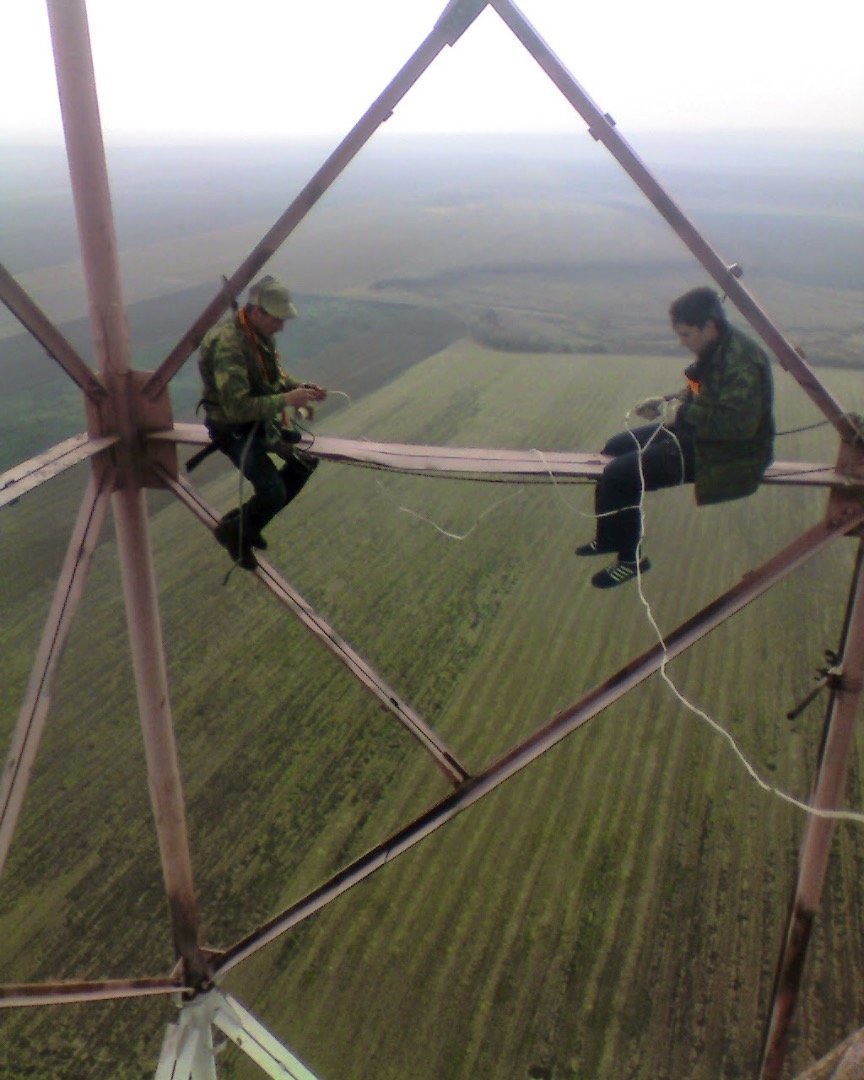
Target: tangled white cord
[(836, 815)]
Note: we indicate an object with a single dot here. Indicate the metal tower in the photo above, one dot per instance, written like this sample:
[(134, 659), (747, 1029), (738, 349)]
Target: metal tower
[(130, 444)]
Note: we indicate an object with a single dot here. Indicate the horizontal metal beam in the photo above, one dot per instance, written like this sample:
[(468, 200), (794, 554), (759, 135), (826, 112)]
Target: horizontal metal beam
[(753, 585), (385, 695), (520, 464), (36, 470), (19, 995)]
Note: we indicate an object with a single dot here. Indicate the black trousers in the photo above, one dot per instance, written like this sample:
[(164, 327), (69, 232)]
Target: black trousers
[(273, 488), (667, 460)]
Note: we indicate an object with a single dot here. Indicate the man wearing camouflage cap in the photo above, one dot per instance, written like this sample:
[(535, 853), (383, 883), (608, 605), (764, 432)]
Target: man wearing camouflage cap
[(246, 396)]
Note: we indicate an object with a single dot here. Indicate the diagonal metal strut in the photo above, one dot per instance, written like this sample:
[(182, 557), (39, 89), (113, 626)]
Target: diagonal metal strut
[(602, 127), (837, 747), (37, 700), (455, 772), (753, 585), (451, 24)]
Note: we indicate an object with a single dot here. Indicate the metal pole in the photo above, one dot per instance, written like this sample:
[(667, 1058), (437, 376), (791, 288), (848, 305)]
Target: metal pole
[(36, 470), (32, 318), (384, 694), (26, 995), (837, 748), (602, 127), (559, 727), (37, 700), (90, 190)]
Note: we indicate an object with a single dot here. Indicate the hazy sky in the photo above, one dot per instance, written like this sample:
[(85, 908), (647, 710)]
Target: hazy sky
[(275, 68)]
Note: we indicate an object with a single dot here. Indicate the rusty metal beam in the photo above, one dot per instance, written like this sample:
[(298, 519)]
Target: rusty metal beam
[(35, 471), (451, 24), (32, 318), (91, 195), (19, 995), (602, 127), (37, 700), (753, 585), (519, 464), (384, 694), (835, 753)]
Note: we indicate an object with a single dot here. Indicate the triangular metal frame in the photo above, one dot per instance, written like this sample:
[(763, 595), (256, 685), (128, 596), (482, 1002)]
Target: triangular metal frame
[(131, 445)]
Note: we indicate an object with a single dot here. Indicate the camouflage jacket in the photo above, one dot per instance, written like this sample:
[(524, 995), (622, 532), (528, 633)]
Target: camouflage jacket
[(730, 418), (242, 378)]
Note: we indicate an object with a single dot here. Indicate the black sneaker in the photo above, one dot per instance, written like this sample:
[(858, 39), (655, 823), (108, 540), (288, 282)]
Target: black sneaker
[(621, 572), (227, 533), (594, 548)]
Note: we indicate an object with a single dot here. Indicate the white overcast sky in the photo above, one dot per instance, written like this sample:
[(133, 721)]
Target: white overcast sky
[(205, 69)]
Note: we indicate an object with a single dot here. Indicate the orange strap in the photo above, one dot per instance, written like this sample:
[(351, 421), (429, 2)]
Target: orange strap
[(253, 341), (262, 362)]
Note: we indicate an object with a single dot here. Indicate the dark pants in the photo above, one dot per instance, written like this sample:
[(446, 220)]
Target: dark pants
[(273, 487), (665, 463)]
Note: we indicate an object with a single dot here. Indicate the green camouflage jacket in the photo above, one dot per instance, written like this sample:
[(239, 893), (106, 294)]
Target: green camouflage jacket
[(242, 379), (731, 418)]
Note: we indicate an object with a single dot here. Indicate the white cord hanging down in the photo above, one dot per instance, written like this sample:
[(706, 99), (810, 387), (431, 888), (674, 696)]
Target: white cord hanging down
[(835, 815)]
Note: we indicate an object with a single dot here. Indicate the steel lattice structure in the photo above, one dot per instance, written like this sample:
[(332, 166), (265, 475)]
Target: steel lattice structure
[(131, 445)]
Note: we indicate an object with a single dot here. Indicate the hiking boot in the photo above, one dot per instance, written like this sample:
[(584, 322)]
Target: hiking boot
[(619, 573), (593, 548), (256, 540), (227, 533)]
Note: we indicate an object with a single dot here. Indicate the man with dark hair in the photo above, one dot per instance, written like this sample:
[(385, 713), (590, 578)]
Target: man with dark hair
[(246, 396), (721, 439)]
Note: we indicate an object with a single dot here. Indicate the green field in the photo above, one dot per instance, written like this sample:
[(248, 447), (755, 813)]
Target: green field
[(613, 911)]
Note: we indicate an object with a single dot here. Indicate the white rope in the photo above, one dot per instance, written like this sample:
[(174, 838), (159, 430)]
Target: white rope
[(438, 528), (718, 728), (834, 815)]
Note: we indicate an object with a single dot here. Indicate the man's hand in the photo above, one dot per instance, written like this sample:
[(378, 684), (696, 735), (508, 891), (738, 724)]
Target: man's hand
[(302, 395), (319, 390), (651, 408)]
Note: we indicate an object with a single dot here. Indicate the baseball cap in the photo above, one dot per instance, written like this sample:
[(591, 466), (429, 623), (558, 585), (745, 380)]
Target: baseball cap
[(273, 297)]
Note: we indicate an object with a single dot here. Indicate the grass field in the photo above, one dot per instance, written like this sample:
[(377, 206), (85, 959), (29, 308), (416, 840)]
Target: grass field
[(549, 233), (613, 911)]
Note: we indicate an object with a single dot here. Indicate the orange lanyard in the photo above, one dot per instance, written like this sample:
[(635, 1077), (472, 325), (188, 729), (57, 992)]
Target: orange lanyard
[(262, 362), (253, 340)]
